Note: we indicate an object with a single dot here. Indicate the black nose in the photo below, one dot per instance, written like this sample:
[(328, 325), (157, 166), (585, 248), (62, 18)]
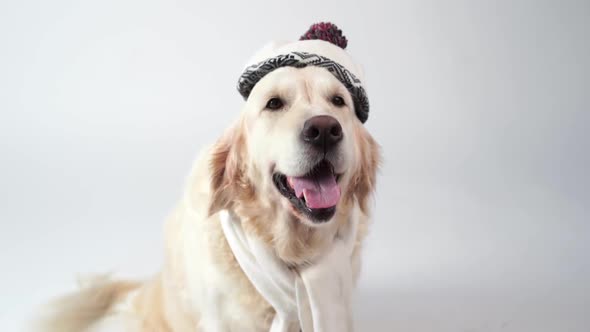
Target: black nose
[(322, 131)]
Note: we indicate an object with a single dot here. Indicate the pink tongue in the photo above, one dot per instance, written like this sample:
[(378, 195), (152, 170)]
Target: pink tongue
[(320, 189)]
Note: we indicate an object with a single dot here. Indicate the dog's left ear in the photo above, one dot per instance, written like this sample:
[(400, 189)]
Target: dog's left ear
[(363, 183), (227, 173)]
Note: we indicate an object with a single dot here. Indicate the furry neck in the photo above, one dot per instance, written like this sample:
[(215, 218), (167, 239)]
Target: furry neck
[(293, 241)]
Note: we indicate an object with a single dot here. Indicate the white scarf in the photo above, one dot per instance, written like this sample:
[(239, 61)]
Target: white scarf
[(315, 298)]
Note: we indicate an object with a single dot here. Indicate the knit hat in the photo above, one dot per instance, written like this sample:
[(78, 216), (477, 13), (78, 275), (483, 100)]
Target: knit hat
[(322, 46)]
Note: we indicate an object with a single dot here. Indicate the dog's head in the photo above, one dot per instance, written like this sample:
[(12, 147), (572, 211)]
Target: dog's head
[(297, 147)]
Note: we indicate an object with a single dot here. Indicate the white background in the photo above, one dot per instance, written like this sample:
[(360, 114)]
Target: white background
[(481, 107)]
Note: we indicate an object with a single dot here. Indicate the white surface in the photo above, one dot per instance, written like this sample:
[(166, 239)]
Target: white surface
[(482, 108)]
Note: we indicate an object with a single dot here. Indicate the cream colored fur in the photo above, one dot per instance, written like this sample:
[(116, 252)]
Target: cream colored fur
[(201, 287)]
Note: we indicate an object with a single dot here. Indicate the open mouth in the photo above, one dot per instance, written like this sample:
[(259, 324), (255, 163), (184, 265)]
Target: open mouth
[(315, 194)]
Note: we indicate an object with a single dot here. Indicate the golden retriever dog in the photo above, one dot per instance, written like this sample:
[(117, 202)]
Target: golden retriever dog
[(293, 167)]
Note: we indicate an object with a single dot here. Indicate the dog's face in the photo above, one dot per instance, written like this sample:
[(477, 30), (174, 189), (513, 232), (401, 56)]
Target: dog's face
[(301, 136), (304, 149)]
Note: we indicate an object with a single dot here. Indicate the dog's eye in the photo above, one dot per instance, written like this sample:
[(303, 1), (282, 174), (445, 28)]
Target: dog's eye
[(274, 104), (338, 101)]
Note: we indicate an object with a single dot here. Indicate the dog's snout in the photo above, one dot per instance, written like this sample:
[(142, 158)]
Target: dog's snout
[(322, 131)]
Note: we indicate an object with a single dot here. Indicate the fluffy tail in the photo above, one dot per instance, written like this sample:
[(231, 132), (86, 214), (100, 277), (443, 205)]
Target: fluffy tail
[(77, 311)]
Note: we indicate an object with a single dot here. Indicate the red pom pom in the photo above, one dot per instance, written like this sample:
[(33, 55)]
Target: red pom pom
[(326, 31)]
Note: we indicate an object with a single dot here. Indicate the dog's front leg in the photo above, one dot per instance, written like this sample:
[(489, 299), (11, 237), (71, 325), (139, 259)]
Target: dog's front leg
[(212, 315)]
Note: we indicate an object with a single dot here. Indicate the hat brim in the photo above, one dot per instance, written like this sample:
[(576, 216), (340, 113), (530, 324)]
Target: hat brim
[(254, 73)]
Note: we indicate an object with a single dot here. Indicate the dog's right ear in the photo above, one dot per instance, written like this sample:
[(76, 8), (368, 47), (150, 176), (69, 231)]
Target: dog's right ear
[(226, 169)]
